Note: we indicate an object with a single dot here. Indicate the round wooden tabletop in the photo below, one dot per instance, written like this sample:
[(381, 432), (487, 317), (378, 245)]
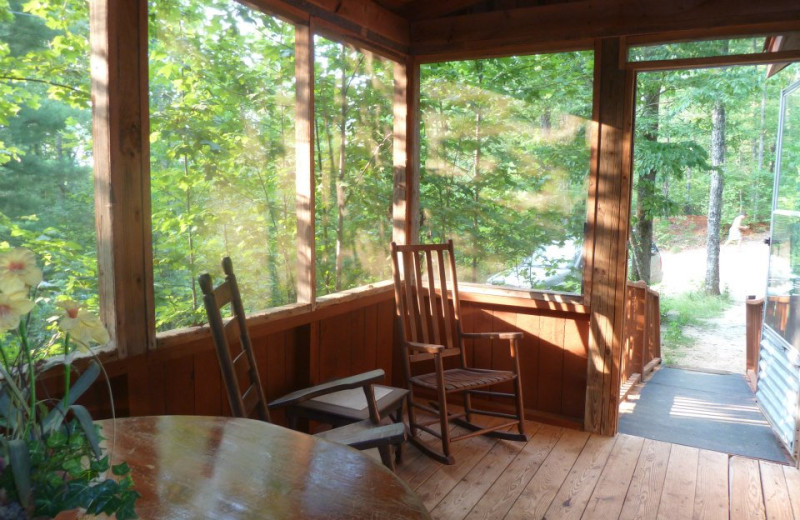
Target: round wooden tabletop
[(189, 467)]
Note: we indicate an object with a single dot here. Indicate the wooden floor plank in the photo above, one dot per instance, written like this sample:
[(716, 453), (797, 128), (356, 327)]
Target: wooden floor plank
[(538, 494), (609, 494), (470, 451), (496, 502), (644, 493), (792, 476), (460, 501), (711, 496), (677, 498), (571, 499), (747, 499), (776, 497)]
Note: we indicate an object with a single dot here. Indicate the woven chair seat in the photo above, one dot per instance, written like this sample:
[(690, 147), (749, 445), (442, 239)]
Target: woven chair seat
[(458, 379)]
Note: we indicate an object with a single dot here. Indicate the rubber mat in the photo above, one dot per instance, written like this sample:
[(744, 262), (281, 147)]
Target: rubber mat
[(710, 411)]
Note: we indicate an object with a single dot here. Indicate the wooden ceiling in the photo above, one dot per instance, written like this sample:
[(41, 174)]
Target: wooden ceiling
[(434, 30)]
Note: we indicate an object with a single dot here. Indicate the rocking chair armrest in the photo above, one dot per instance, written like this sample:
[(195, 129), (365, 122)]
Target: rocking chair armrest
[(346, 383), (428, 348), (492, 335)]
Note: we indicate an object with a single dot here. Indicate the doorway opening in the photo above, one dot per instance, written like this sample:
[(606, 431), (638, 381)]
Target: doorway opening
[(704, 154)]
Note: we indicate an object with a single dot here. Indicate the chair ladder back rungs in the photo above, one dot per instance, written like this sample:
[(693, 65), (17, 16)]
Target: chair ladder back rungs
[(420, 297), (448, 316), (234, 330), (223, 295), (435, 316)]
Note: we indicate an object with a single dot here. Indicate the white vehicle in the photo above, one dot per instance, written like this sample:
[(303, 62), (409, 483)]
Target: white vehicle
[(552, 267), (559, 266)]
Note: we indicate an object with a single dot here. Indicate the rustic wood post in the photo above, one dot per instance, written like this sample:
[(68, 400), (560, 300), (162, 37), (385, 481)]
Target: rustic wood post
[(405, 210), (611, 171), (121, 135)]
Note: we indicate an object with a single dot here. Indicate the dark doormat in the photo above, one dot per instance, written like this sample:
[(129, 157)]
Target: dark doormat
[(710, 411)]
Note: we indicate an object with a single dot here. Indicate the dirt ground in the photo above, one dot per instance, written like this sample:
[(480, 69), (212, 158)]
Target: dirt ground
[(743, 272)]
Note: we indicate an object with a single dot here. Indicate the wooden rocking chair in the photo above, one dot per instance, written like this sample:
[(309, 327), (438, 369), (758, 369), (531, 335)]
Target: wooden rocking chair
[(425, 284), (238, 366)]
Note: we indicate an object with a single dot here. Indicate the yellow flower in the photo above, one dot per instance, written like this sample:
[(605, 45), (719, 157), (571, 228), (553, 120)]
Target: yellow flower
[(83, 326), (20, 263), (14, 303)]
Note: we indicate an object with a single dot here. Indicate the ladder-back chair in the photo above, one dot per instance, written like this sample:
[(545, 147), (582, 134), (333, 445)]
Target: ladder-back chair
[(243, 384), (426, 295)]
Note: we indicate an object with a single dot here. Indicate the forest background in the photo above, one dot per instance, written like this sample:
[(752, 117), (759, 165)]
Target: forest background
[(505, 156)]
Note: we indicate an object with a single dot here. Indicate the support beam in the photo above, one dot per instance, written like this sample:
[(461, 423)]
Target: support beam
[(557, 24), (304, 149), (121, 133), (405, 211), (363, 23), (611, 171)]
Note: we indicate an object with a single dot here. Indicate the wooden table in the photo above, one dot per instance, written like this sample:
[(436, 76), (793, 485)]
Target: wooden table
[(189, 467)]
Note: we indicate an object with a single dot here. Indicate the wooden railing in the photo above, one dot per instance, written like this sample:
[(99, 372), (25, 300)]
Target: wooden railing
[(642, 348), (755, 318)]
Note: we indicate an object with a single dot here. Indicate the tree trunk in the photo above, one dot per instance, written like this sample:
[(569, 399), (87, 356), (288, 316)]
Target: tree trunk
[(715, 198), (476, 235), (645, 191), (340, 195)]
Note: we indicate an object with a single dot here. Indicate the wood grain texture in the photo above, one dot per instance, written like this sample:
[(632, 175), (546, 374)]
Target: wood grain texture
[(677, 497), (221, 468), (539, 493), (711, 494), (776, 495), (121, 155), (405, 153), (792, 476), (502, 494), (304, 162), (609, 494), (747, 498), (575, 492), (563, 22), (647, 483)]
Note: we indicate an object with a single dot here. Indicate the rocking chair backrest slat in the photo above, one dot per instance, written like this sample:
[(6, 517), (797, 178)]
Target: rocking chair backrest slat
[(234, 349), (430, 318), (416, 259)]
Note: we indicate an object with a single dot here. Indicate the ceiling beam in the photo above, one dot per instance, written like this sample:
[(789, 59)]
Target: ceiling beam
[(361, 22), (557, 24), (425, 9)]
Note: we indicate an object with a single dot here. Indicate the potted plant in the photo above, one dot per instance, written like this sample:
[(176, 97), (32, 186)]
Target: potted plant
[(50, 454)]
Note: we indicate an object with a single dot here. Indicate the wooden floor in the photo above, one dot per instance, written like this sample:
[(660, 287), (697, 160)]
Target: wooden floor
[(563, 473)]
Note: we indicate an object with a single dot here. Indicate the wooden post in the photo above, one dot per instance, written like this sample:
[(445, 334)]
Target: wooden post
[(121, 134), (304, 148), (405, 212), (611, 170)]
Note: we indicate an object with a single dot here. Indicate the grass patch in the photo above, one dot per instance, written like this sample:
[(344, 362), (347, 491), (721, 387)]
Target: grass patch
[(687, 310)]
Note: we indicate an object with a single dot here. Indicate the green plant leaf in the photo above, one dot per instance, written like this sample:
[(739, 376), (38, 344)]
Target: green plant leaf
[(21, 468), (56, 417), (121, 470), (85, 420)]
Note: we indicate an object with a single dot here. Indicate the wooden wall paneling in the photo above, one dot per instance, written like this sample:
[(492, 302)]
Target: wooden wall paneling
[(120, 128), (529, 358), (179, 386), (208, 392), (613, 119), (576, 347), (304, 151), (385, 346), (551, 363), (406, 153), (138, 385), (337, 337)]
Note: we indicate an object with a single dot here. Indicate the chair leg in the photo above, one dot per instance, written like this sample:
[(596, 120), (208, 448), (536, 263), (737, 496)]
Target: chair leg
[(467, 406), (386, 456), (520, 407), (412, 420)]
